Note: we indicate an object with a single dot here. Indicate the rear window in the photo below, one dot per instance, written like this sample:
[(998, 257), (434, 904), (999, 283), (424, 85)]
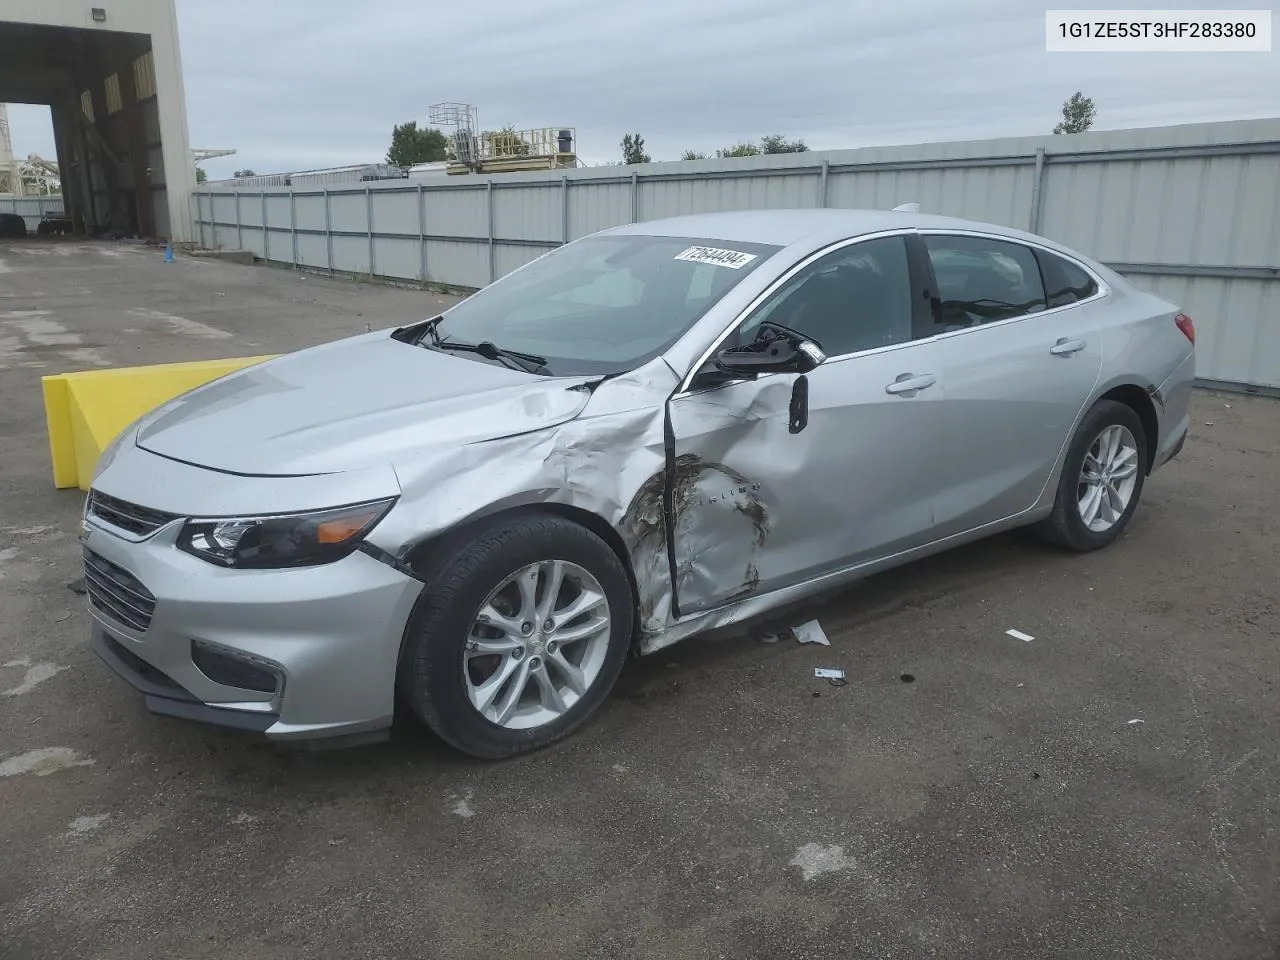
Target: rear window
[(604, 304), (1064, 282), (982, 280)]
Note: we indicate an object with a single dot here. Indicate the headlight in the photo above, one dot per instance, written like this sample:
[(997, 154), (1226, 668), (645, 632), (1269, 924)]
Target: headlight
[(294, 540)]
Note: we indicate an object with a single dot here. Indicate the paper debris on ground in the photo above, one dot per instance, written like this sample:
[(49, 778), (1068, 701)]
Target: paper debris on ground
[(811, 632), (1132, 722), (1019, 635), (828, 673)]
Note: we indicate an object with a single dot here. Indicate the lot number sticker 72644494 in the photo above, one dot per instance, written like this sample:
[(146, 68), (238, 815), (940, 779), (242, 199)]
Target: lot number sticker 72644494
[(721, 258)]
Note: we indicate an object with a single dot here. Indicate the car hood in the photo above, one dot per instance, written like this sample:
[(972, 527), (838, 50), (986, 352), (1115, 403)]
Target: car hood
[(352, 404)]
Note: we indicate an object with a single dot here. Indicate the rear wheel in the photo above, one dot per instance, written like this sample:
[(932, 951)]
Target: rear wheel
[(519, 636), (1101, 480)]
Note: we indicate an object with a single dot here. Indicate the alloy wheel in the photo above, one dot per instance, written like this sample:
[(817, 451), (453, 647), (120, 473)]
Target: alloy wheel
[(1108, 478), (537, 644)]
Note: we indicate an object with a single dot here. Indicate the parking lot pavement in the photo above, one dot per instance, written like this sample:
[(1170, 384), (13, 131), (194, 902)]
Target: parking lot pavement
[(1107, 789)]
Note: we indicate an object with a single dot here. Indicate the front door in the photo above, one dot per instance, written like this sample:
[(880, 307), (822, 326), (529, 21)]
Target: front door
[(783, 478)]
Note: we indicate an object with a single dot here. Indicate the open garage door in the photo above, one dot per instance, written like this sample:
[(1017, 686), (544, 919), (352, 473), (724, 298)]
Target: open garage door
[(112, 80)]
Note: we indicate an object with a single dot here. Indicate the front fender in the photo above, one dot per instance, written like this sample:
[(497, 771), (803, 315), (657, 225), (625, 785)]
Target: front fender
[(609, 462)]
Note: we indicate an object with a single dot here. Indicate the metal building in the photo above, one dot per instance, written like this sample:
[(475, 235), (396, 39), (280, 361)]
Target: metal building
[(112, 76), (356, 173)]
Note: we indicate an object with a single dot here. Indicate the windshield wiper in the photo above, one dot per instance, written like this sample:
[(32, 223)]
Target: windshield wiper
[(429, 330), (526, 362)]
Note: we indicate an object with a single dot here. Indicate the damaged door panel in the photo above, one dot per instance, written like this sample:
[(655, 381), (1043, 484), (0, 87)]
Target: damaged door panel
[(757, 506)]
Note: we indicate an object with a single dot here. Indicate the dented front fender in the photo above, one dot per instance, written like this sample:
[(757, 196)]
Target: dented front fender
[(610, 461)]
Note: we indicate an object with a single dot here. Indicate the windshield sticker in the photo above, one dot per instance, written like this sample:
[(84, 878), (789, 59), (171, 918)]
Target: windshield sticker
[(721, 258)]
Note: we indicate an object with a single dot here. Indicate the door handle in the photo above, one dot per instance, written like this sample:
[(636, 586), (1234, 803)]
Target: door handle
[(1066, 346), (908, 384)]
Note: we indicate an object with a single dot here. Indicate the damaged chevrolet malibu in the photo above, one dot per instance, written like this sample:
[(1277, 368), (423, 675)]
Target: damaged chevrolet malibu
[(649, 432)]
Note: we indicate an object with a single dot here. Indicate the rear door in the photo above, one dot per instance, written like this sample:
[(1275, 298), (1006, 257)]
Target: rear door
[(1019, 335), (783, 478)]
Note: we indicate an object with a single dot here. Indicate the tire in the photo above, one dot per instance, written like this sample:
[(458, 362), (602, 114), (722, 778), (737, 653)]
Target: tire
[(12, 225), (1066, 526), (448, 650)]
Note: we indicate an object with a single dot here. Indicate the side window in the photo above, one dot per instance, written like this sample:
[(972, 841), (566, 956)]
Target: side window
[(981, 280), (1064, 282), (857, 298)]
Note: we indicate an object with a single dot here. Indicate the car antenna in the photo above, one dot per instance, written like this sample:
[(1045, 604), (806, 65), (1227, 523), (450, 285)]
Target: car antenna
[(906, 208)]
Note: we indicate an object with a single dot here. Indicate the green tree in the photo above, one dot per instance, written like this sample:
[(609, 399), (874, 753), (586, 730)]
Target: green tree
[(633, 149), (693, 155), (411, 145), (201, 176), (1077, 114), (244, 173), (777, 143), (739, 150)]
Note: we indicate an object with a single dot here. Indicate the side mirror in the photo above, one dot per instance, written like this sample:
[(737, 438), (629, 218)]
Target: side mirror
[(776, 350)]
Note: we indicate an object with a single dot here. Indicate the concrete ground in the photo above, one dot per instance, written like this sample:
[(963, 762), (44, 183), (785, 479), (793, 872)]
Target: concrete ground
[(1109, 789)]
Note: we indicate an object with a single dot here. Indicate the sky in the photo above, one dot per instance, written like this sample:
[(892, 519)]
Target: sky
[(295, 84)]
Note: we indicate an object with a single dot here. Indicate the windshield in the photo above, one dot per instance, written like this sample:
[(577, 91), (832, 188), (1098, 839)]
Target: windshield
[(602, 304)]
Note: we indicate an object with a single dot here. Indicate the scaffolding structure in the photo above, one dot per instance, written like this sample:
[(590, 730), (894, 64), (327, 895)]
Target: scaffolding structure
[(40, 177), (10, 172), (501, 151)]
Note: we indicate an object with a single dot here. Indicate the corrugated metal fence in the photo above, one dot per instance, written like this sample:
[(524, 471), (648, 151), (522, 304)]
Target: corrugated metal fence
[(31, 209), (1191, 212)]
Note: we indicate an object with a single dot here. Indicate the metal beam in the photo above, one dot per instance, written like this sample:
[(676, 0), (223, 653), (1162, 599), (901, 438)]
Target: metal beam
[(1037, 192), (408, 237), (493, 266), (422, 236), (564, 209), (1220, 271), (368, 220), (1170, 153), (328, 230), (1235, 386)]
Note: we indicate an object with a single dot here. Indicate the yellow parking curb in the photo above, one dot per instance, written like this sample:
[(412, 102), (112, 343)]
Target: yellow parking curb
[(85, 410)]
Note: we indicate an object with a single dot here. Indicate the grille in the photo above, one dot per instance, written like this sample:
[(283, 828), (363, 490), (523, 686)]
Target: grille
[(142, 521), (118, 593)]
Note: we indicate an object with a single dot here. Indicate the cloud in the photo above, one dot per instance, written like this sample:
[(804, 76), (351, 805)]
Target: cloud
[(294, 84)]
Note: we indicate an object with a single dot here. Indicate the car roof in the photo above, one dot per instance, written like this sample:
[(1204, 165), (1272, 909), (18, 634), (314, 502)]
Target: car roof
[(807, 226)]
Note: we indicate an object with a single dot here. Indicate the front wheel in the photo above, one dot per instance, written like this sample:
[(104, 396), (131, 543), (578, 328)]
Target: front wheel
[(1101, 480), (518, 637)]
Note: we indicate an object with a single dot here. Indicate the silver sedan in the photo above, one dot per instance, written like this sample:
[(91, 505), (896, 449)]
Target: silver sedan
[(644, 434)]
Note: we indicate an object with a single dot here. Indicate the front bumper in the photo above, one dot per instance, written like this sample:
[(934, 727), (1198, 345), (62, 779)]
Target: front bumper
[(326, 637), (163, 696)]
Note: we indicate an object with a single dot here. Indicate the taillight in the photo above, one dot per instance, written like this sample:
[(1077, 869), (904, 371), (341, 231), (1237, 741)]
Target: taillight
[(1186, 325)]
